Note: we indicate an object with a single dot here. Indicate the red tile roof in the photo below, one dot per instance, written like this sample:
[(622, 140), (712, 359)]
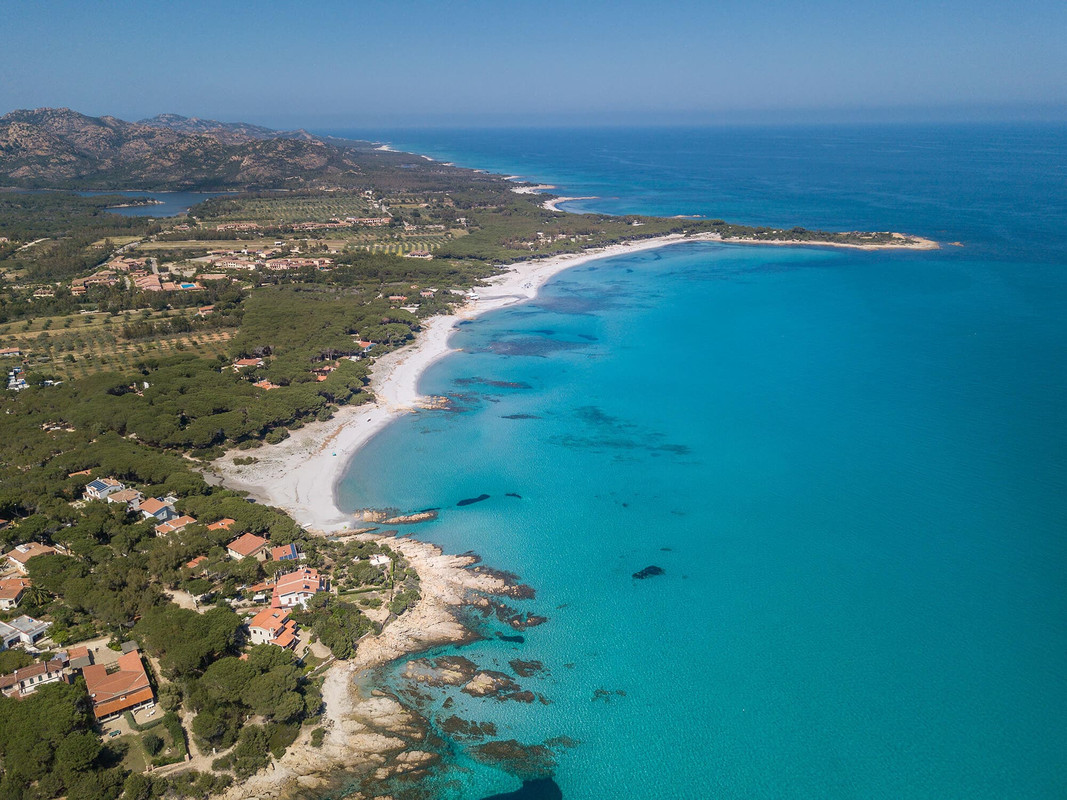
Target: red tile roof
[(114, 692), (174, 525), (222, 525), (247, 545), (13, 588), (270, 619), (153, 505), (24, 552)]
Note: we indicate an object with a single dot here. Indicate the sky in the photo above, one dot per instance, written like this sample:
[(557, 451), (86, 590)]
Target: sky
[(367, 63)]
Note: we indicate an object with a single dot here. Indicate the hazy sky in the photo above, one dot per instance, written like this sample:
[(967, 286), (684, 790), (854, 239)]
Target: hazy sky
[(364, 63)]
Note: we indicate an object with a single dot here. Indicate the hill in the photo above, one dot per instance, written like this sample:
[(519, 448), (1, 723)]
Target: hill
[(60, 148), (230, 132)]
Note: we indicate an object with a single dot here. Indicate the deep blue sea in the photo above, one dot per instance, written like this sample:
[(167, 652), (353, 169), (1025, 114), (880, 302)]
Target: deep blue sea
[(852, 468)]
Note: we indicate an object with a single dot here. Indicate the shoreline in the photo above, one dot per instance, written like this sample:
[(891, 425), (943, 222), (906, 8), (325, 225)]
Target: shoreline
[(300, 474), (373, 736)]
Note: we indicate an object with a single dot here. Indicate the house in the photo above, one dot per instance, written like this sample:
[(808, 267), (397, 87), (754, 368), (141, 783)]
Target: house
[(24, 552), (29, 679), (123, 689), (223, 524), (10, 352), (244, 363), (296, 588), (22, 629), (11, 592), (265, 384), (272, 626), (100, 488), (78, 657), (131, 497), (148, 283), (196, 562), (379, 560), (158, 509), (203, 311), (248, 545), (174, 525), (287, 552)]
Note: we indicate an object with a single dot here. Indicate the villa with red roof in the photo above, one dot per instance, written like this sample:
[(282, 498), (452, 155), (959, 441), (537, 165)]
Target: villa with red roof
[(174, 525), (26, 681), (222, 525), (158, 509), (296, 588), (273, 626), (248, 545), (24, 552), (11, 592), (124, 689), (287, 552)]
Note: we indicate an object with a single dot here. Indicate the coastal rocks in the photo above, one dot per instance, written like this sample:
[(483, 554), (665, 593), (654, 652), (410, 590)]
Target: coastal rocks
[(528, 762), (526, 669), (648, 572), (491, 684), (411, 519), (375, 515), (444, 671), (467, 729), (521, 622), (472, 500), (412, 761), (511, 586)]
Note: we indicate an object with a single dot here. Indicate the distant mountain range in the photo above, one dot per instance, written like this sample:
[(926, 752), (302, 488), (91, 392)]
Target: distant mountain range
[(59, 148), (231, 132)]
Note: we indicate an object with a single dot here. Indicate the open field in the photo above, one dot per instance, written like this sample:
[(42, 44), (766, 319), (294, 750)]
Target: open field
[(297, 209), (211, 244), (17, 332), (118, 241), (77, 354)]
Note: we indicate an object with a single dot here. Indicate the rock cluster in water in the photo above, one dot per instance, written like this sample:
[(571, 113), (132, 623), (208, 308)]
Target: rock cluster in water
[(648, 572)]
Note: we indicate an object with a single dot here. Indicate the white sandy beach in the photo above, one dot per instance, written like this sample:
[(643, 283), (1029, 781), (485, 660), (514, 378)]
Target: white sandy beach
[(300, 474), (554, 203)]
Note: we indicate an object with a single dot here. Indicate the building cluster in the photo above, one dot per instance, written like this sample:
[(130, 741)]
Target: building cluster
[(262, 259), (113, 688)]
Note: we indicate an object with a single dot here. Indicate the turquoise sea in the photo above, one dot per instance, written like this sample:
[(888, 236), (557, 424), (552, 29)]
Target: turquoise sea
[(852, 468)]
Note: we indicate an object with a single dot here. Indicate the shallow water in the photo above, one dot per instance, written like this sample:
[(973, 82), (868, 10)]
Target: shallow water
[(850, 467)]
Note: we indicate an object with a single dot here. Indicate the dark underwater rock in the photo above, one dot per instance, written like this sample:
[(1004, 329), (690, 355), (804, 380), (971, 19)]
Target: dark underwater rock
[(527, 761), (539, 789), (524, 669), (648, 572), (472, 500)]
